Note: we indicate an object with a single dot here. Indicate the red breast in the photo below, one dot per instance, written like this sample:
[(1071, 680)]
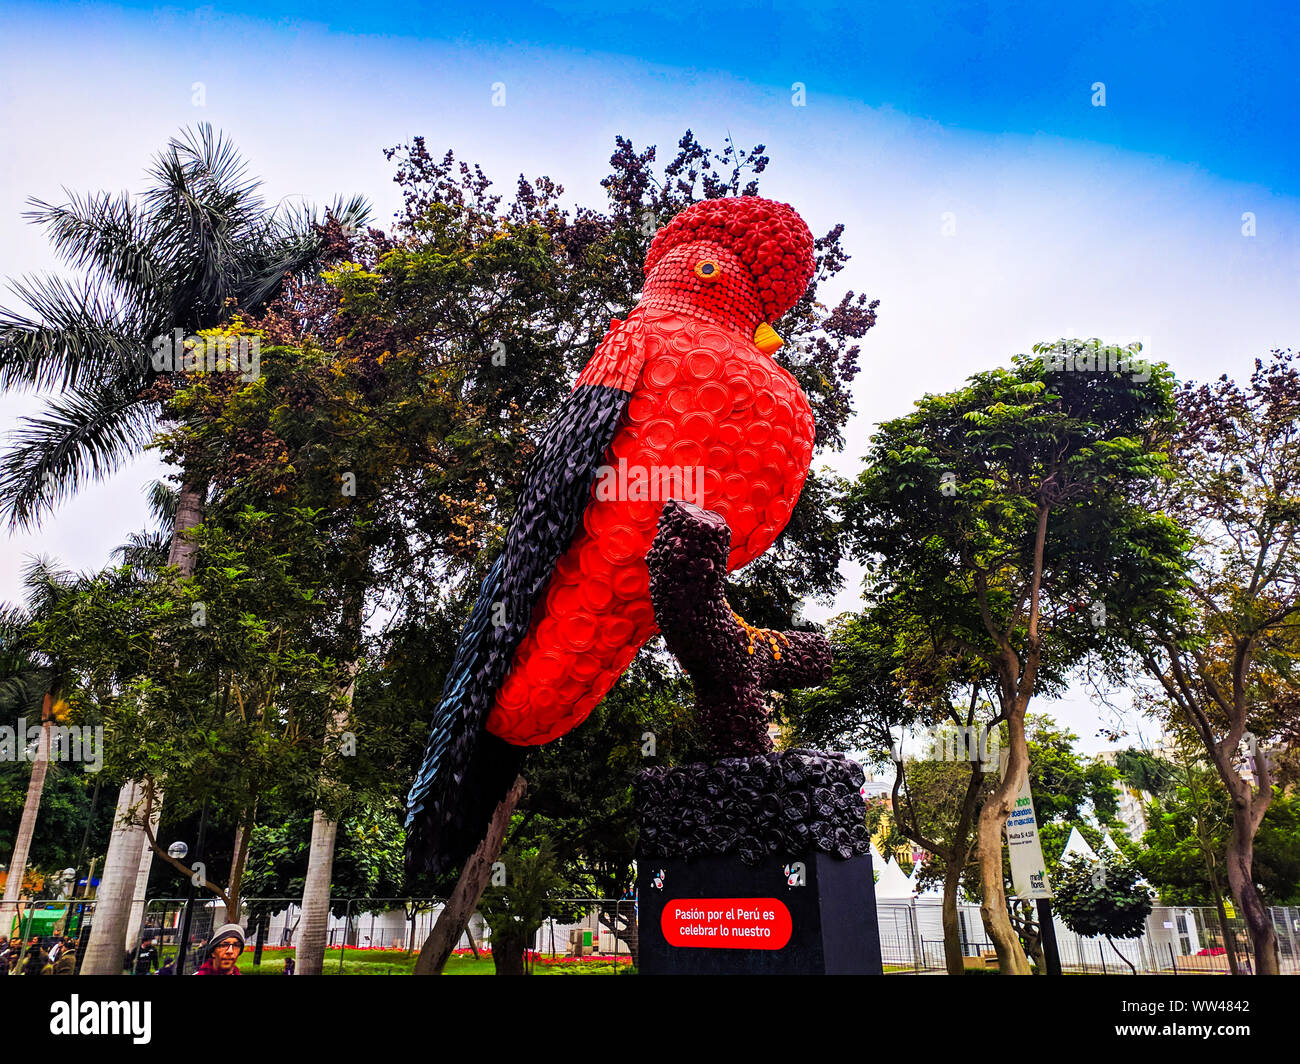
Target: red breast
[(711, 419)]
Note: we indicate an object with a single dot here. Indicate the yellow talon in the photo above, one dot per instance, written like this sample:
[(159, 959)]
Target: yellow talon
[(768, 634)]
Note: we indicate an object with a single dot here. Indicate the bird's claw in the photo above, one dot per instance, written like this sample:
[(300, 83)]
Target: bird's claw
[(767, 635)]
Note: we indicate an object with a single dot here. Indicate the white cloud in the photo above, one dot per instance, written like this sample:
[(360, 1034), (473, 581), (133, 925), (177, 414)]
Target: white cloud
[(1051, 237)]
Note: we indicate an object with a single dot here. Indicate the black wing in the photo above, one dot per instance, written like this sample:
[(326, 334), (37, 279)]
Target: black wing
[(466, 771)]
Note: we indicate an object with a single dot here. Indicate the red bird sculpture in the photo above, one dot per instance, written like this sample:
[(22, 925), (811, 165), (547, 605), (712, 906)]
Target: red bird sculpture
[(680, 400)]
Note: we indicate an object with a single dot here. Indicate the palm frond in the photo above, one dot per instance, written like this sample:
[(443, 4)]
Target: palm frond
[(163, 500), (291, 244), (108, 233), (76, 336), (23, 690), (144, 553), (207, 207), (13, 619), (45, 582), (84, 433)]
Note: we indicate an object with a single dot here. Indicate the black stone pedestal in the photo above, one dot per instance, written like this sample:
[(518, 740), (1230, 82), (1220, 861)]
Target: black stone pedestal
[(757, 865), (720, 916)]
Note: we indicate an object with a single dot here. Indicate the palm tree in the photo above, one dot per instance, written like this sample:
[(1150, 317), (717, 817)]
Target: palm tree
[(197, 248), (144, 553), (28, 679)]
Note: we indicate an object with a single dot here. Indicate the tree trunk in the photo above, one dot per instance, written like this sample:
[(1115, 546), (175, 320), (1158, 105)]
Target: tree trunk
[(189, 512), (469, 888), (508, 953), (1121, 955), (31, 809), (139, 901), (952, 952), (1241, 852), (993, 818), (126, 867), (314, 923), (116, 888), (238, 858), (1016, 688), (324, 832)]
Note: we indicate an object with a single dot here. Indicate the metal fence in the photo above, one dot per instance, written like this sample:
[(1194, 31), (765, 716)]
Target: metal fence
[(1176, 940), (575, 927)]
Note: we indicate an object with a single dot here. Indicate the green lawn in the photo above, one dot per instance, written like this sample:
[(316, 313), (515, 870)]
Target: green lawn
[(397, 962)]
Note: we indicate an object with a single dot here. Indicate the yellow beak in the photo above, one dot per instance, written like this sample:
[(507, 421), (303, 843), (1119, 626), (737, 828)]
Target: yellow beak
[(766, 340)]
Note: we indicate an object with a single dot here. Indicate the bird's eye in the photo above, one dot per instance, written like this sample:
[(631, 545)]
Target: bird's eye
[(708, 270)]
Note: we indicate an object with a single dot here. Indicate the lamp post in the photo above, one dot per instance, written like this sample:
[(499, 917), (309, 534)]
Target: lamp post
[(178, 850)]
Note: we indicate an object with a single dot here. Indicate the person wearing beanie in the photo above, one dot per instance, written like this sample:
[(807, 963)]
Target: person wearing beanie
[(224, 948)]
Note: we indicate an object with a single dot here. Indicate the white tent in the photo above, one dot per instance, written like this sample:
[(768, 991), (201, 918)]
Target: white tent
[(934, 890), (1078, 844), (891, 882)]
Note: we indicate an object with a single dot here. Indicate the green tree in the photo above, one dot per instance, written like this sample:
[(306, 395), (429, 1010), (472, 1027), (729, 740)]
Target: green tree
[(891, 674), (1185, 845), (1010, 515), (198, 247), (1102, 897), (33, 681), (1146, 772), (1226, 664), (515, 908), (210, 684)]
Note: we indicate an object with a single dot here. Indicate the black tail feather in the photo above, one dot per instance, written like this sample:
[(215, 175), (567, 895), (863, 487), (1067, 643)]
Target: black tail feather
[(445, 833)]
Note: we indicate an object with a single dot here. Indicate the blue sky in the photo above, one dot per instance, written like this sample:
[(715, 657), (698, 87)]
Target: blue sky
[(1213, 84), (987, 203)]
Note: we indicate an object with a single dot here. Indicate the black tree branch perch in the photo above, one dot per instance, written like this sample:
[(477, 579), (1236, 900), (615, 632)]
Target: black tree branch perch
[(730, 669)]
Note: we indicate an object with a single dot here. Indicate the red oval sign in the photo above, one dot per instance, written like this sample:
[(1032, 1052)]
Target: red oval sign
[(726, 923)]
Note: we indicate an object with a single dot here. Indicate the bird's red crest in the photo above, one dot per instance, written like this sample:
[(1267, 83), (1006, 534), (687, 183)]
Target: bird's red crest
[(769, 238)]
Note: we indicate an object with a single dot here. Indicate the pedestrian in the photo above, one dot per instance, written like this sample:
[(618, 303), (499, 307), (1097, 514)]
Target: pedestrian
[(37, 959), (169, 965), (62, 943), (146, 957), (289, 965), (11, 955), (226, 945), (67, 962)]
